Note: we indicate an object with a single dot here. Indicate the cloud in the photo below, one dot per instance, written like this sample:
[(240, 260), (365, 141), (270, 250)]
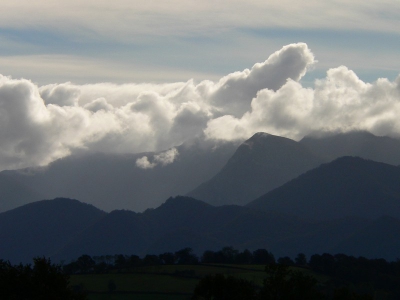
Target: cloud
[(144, 163), (164, 158), (340, 102), (234, 92), (41, 124)]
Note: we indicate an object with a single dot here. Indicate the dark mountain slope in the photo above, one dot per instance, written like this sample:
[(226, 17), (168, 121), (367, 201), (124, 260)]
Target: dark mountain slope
[(41, 228), (113, 181), (357, 143), (348, 186), (178, 221), (259, 165), (65, 229), (184, 222), (379, 239)]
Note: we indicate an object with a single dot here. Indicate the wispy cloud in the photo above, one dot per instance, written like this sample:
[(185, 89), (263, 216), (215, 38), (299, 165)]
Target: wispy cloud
[(163, 159), (123, 19)]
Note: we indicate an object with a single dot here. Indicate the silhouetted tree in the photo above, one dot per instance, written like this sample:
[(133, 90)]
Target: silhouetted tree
[(244, 257), (301, 259), (42, 281), (151, 260), (186, 257), (167, 258), (286, 260), (262, 256), (120, 261)]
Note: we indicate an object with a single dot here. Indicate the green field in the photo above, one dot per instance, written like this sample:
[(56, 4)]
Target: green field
[(164, 282)]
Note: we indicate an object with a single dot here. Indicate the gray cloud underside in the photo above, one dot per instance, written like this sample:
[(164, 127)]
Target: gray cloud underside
[(41, 124)]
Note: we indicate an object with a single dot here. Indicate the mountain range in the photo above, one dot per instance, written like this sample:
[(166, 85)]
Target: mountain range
[(115, 181), (217, 173), (294, 197)]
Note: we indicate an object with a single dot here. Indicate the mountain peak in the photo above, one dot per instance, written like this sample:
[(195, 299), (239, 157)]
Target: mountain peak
[(260, 164)]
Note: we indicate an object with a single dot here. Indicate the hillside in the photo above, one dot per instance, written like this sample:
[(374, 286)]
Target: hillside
[(66, 229), (346, 187), (259, 165), (185, 222), (41, 228)]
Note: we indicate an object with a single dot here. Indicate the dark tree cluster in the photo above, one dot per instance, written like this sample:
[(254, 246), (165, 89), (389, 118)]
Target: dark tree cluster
[(281, 283), (102, 264), (43, 280), (350, 277), (229, 255), (366, 275)]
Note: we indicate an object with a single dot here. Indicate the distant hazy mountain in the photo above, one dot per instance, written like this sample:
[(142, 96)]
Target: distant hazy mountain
[(214, 173), (346, 187), (356, 143), (114, 181), (15, 192), (66, 229), (42, 228), (259, 165)]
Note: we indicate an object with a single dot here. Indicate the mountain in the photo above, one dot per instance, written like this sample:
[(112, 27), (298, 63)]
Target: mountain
[(378, 239), (356, 143), (65, 229), (185, 222), (259, 165), (346, 187), (41, 228), (114, 181)]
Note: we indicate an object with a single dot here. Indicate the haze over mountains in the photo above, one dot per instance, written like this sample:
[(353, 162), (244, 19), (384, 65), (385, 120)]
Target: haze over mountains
[(115, 181), (343, 205), (215, 173), (259, 165)]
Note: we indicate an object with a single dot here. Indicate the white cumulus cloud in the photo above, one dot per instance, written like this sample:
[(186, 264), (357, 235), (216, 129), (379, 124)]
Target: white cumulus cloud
[(39, 124)]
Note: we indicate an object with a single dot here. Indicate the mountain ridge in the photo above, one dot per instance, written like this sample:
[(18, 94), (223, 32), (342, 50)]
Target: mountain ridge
[(259, 165), (344, 187)]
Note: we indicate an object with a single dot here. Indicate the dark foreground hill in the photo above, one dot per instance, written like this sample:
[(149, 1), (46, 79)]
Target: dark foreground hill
[(259, 165), (43, 227), (346, 187), (65, 229)]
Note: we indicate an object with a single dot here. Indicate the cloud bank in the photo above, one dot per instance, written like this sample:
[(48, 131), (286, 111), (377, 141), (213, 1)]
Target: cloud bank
[(39, 124)]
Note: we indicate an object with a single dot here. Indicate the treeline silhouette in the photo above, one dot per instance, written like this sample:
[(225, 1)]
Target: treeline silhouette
[(339, 276), (227, 255), (42, 280), (348, 275)]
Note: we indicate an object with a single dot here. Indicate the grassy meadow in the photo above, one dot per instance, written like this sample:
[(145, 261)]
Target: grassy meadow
[(164, 282)]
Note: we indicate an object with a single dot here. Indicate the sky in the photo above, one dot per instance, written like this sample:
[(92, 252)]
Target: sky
[(133, 76)]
